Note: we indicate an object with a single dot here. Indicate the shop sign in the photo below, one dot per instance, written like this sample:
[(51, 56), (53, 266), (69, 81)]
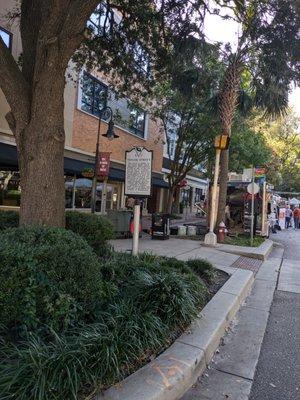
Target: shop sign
[(138, 172), (260, 172), (104, 163), (183, 183)]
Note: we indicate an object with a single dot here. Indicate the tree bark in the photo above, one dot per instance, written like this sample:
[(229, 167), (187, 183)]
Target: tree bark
[(227, 105), (41, 148), (170, 200)]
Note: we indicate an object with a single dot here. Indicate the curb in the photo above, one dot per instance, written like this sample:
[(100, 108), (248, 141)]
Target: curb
[(172, 373), (260, 253)]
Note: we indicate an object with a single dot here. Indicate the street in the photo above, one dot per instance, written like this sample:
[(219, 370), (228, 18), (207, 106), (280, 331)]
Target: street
[(278, 371)]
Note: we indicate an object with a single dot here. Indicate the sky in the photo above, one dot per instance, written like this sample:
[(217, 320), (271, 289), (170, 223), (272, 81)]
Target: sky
[(217, 29)]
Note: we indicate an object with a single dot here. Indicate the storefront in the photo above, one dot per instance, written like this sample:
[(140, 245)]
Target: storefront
[(78, 188)]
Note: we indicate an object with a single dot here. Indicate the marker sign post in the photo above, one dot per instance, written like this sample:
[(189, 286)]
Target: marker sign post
[(138, 183), (253, 189), (103, 171)]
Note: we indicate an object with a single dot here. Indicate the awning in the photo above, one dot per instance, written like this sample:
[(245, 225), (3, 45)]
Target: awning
[(9, 160)]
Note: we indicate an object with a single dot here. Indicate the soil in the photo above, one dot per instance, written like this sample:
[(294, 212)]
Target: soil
[(219, 280)]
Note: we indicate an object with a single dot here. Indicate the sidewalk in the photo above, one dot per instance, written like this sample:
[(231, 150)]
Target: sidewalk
[(183, 249)]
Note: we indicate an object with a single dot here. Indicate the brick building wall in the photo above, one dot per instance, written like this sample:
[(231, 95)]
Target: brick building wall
[(84, 137)]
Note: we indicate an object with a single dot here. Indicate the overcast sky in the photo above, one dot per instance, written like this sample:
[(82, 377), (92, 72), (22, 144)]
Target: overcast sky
[(217, 29)]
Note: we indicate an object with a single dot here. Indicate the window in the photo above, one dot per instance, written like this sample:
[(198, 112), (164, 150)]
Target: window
[(141, 58), (6, 37), (173, 123), (137, 121), (94, 94), (101, 21)]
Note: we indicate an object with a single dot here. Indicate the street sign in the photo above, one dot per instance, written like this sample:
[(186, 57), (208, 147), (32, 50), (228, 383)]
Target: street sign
[(253, 188), (138, 173), (104, 162)]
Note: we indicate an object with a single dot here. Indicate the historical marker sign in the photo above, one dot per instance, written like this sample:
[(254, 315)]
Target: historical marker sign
[(138, 172)]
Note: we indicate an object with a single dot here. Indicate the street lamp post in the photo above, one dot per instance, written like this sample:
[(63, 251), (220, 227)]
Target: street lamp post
[(110, 135), (221, 143)]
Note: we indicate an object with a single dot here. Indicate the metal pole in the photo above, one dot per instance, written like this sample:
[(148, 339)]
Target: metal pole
[(211, 237), (103, 197), (94, 185), (264, 211), (214, 193), (136, 226), (252, 208), (74, 192)]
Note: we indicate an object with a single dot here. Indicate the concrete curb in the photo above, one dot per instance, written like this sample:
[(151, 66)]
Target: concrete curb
[(260, 253), (172, 373)]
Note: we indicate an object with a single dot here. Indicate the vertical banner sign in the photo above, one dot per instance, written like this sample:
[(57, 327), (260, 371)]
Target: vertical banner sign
[(138, 182), (138, 172), (103, 165)]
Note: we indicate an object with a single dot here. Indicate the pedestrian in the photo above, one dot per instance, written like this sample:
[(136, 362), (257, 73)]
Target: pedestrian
[(296, 217), (288, 217)]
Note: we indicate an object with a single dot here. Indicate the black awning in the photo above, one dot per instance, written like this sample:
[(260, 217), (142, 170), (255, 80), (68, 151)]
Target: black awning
[(159, 182), (9, 160), (8, 157)]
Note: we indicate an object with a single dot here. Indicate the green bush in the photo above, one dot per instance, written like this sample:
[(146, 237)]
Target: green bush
[(202, 268), (47, 276), (8, 219), (95, 229)]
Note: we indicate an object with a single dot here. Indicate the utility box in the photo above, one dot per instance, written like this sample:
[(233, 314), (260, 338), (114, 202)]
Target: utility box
[(121, 221), (160, 226)]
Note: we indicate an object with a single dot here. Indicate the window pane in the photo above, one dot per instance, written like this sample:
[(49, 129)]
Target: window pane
[(94, 95), (6, 37), (101, 20)]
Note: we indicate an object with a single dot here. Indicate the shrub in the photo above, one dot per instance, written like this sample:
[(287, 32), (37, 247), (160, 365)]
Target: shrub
[(203, 268), (47, 276), (95, 229), (8, 219)]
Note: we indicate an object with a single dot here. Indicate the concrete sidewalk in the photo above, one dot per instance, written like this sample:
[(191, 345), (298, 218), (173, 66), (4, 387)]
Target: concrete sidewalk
[(183, 249)]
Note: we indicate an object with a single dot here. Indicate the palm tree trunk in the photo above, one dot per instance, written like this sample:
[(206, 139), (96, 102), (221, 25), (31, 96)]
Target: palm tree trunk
[(227, 106)]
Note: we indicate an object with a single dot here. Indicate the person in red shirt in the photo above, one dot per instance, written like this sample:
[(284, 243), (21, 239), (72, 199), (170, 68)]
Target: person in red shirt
[(296, 217)]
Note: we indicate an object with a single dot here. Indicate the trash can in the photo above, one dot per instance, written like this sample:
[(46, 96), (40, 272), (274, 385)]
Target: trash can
[(160, 228), (191, 230), (181, 230)]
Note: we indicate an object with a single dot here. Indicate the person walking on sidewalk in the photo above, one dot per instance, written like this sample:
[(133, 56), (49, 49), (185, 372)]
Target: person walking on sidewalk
[(296, 217), (288, 216)]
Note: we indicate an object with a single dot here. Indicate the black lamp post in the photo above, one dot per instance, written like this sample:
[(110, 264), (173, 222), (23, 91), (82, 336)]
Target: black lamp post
[(110, 135)]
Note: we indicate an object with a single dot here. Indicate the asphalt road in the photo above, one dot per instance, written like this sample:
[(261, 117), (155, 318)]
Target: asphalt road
[(277, 375)]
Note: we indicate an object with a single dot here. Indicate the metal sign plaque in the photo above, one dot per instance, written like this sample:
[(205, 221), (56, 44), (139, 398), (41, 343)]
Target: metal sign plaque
[(138, 173)]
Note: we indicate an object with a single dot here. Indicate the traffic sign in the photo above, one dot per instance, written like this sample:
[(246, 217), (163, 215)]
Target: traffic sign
[(253, 188)]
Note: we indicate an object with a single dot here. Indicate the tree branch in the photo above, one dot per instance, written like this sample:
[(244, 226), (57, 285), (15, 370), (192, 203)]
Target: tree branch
[(74, 26), (15, 89)]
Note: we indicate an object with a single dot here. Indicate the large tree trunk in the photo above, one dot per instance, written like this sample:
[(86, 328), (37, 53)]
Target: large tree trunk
[(42, 179), (41, 148)]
